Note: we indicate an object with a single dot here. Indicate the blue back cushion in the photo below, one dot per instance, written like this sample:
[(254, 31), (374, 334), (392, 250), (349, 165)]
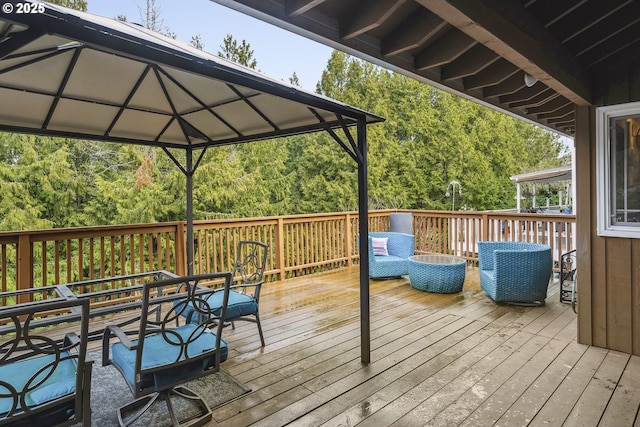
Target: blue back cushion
[(62, 381)]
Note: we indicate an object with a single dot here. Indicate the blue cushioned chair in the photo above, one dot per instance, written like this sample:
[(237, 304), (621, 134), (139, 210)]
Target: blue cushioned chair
[(168, 348), (515, 272), (244, 297), (44, 380), (400, 247)]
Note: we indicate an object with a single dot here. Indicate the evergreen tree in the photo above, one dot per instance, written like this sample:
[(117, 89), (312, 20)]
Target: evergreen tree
[(73, 4), (240, 53)]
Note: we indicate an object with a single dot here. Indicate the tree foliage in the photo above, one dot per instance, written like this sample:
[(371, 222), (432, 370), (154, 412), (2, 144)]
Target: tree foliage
[(73, 4), (240, 53), (429, 138)]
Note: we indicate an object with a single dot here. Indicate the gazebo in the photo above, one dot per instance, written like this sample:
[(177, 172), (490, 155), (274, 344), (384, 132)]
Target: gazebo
[(545, 177), (71, 74)]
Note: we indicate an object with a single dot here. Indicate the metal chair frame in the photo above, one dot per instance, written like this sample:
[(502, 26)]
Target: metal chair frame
[(31, 337), (164, 304), (248, 271)]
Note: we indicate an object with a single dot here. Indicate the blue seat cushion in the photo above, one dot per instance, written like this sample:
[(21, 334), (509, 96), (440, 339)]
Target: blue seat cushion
[(239, 304), (158, 352), (389, 259), (62, 381)]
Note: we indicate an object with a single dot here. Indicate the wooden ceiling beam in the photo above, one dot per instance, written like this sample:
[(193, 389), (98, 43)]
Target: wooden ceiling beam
[(542, 97), (568, 116), (622, 40), (621, 20), (444, 50), (507, 28), (561, 113), (494, 74), (550, 106), (298, 7), (510, 85), (591, 12), (413, 35), (524, 94), (369, 16), (550, 11), (473, 61)]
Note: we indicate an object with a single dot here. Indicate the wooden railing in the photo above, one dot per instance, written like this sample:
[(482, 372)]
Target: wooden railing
[(300, 244)]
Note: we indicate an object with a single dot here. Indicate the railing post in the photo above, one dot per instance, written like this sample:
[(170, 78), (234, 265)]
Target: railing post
[(181, 250), (280, 254), (484, 227), (25, 264), (347, 238)]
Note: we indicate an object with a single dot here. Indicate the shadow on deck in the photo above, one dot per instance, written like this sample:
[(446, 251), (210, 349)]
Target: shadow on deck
[(457, 359)]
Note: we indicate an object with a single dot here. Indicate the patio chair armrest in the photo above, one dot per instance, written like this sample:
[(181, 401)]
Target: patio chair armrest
[(242, 287), (71, 340), (114, 331)]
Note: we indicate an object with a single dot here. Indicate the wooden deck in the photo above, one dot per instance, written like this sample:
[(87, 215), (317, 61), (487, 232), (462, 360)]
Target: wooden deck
[(437, 360)]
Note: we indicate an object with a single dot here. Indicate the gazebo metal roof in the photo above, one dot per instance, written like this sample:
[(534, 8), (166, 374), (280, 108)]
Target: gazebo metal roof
[(70, 73)]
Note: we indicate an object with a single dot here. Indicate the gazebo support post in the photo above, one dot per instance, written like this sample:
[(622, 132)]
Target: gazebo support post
[(189, 190), (363, 216)]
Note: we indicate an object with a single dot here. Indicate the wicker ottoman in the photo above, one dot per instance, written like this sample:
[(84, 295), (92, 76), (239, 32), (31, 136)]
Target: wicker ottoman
[(442, 274)]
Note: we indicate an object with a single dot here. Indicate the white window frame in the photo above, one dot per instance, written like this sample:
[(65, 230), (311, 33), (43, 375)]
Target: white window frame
[(603, 165)]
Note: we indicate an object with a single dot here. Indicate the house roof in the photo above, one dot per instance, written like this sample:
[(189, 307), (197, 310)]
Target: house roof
[(562, 173), (75, 74), (482, 49)]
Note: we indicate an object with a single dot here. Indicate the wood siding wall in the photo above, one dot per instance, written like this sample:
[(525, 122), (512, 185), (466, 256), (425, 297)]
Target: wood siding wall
[(608, 267)]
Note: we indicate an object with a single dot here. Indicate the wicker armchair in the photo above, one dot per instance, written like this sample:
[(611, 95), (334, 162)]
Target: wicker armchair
[(400, 247), (515, 272)]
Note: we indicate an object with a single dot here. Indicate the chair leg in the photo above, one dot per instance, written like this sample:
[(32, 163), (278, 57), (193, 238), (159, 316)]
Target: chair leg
[(86, 395), (527, 304), (259, 328), (147, 401), (195, 421), (573, 293), (150, 400)]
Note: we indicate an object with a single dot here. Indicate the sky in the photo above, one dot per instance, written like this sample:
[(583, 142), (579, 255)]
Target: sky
[(279, 53)]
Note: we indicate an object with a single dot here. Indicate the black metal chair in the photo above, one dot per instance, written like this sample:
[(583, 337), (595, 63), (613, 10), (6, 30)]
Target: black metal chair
[(248, 270), (170, 346), (244, 297), (568, 279), (45, 379)]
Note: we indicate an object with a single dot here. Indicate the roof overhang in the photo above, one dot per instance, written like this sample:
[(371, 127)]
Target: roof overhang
[(562, 173), (533, 59)]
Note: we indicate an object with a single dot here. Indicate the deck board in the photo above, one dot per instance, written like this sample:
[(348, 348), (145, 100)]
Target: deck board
[(437, 360)]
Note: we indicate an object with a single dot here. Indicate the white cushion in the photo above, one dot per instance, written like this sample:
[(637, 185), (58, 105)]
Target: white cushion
[(380, 246)]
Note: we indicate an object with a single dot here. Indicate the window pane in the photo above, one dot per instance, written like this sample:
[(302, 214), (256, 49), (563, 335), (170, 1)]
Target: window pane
[(625, 171)]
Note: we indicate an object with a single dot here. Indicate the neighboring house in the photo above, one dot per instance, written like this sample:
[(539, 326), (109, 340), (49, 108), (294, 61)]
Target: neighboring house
[(573, 67), (537, 182)]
